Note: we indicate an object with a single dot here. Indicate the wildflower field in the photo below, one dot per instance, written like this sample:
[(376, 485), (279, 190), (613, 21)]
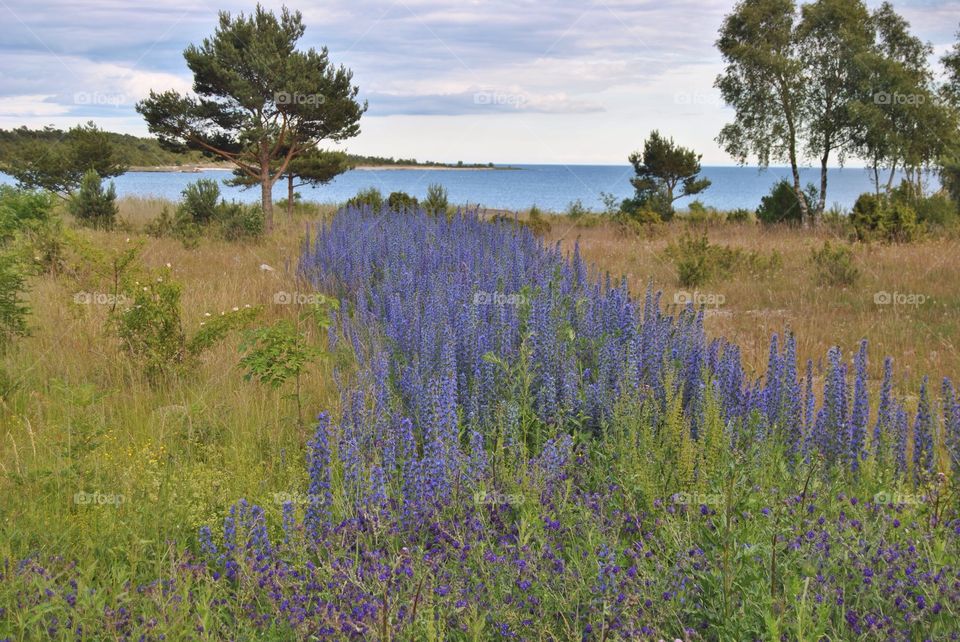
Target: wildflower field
[(508, 444)]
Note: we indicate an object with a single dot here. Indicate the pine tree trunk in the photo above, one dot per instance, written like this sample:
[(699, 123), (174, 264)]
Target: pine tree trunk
[(290, 195)]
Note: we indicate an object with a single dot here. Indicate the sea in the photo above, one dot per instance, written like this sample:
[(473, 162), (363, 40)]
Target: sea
[(552, 188)]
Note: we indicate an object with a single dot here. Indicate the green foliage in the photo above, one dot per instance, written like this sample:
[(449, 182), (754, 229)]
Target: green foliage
[(436, 202), (884, 218), (303, 89), (781, 205), (56, 161), (661, 169), (239, 222), (937, 210), (370, 198), (577, 210), (151, 329), (13, 311), (93, 205), (126, 150), (698, 261), (203, 211), (537, 222), (833, 265), (741, 215), (276, 353), (402, 202), (200, 201), (22, 210), (697, 212)]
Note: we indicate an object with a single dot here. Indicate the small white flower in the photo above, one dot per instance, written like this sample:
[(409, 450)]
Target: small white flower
[(206, 314), (236, 309)]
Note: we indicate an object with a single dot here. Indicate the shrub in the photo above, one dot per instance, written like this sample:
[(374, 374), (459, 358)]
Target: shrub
[(833, 265), (370, 198), (93, 205), (151, 328), (436, 201), (937, 211), (782, 206), (692, 258), (402, 202), (697, 212), (698, 261), (884, 218), (576, 209), (537, 223), (239, 222), (13, 312), (22, 210), (740, 215), (656, 203), (201, 201)]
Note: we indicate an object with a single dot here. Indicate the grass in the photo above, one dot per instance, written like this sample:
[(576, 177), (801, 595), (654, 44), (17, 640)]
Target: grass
[(79, 417), (922, 338), (82, 418)]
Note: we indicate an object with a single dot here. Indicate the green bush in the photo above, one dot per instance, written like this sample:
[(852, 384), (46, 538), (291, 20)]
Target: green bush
[(937, 210), (884, 218), (657, 203), (833, 265), (200, 202), (370, 198), (22, 210), (151, 329), (402, 202), (436, 202), (576, 209), (13, 312), (239, 222), (740, 215), (782, 206), (93, 205), (698, 261), (692, 257)]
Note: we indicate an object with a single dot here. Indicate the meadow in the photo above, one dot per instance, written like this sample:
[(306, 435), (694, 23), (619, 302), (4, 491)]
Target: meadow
[(492, 438)]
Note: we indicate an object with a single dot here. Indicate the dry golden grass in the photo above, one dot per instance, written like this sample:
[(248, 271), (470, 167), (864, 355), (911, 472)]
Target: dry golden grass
[(922, 339), (82, 417)]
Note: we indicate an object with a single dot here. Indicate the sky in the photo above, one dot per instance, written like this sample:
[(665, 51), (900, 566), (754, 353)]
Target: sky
[(517, 81)]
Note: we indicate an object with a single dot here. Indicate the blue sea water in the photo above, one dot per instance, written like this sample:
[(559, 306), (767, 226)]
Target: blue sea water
[(549, 187)]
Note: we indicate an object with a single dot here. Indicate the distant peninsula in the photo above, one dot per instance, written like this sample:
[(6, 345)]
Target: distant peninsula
[(144, 154)]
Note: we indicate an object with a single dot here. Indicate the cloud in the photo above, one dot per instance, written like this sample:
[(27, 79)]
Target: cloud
[(30, 106), (547, 68), (478, 101)]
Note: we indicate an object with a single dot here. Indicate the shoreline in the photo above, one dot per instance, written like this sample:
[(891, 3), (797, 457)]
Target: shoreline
[(197, 169)]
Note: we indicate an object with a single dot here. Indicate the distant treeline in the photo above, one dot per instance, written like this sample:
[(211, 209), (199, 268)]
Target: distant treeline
[(131, 151), (357, 160), (140, 151)]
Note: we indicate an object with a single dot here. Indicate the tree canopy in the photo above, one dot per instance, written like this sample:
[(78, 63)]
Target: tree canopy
[(660, 169), (57, 161), (258, 101)]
